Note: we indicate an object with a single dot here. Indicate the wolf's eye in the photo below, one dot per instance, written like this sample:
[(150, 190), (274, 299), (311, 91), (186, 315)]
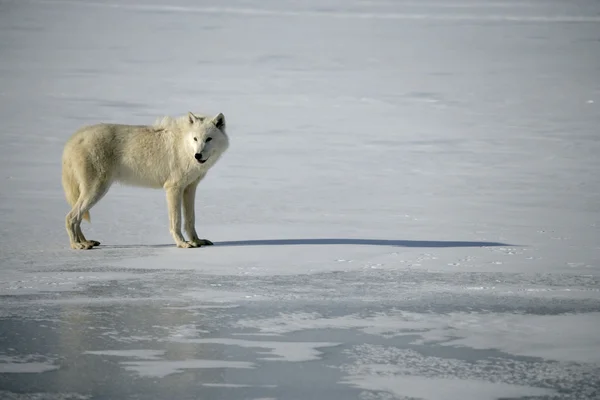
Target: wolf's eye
[(208, 139), (195, 139)]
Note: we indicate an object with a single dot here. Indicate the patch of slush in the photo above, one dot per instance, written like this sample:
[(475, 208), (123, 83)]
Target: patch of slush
[(160, 369), (140, 354), (220, 296), (201, 307), (95, 301), (118, 337), (26, 368), (234, 385), (278, 351), (154, 366), (566, 337), (26, 365), (444, 389), (407, 373)]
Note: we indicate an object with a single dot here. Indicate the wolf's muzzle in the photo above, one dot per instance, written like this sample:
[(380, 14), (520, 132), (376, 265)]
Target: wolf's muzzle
[(198, 157)]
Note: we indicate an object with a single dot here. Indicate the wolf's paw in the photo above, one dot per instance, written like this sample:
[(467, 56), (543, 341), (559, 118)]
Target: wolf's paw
[(184, 245), (200, 242), (94, 243), (81, 245)]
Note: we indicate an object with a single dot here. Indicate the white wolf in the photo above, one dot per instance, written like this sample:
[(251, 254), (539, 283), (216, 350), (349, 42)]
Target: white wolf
[(174, 154)]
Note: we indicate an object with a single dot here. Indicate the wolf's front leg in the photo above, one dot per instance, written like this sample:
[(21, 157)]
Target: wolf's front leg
[(189, 215), (174, 196)]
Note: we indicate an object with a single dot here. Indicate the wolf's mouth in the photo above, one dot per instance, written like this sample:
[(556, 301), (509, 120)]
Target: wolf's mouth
[(203, 161)]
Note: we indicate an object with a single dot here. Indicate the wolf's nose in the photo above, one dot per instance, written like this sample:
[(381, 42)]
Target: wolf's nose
[(198, 156)]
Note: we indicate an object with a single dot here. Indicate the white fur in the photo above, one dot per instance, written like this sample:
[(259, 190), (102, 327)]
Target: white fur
[(159, 156)]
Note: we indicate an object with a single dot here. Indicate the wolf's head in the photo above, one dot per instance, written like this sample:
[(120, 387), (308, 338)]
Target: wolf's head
[(207, 137)]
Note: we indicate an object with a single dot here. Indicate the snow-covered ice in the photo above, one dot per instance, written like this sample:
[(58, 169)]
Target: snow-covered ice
[(410, 206)]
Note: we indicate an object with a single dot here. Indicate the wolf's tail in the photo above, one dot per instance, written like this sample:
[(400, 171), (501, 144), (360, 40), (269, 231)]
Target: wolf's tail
[(71, 188)]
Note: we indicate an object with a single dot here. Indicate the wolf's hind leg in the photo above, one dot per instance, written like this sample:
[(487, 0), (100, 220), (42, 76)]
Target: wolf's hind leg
[(82, 238), (87, 199)]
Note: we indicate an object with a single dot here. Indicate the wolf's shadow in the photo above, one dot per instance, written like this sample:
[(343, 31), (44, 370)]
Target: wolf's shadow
[(357, 242), (334, 241)]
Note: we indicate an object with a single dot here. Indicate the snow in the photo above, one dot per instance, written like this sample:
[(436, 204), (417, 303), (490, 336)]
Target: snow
[(410, 206), (29, 364), (446, 389)]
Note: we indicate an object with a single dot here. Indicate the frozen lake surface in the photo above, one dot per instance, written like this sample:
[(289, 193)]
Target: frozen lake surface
[(409, 209)]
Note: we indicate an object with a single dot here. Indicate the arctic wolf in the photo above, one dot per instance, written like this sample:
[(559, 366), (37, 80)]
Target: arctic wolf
[(174, 154)]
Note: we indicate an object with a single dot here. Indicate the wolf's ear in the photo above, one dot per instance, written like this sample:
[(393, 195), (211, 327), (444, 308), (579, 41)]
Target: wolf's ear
[(192, 118), (219, 121)]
